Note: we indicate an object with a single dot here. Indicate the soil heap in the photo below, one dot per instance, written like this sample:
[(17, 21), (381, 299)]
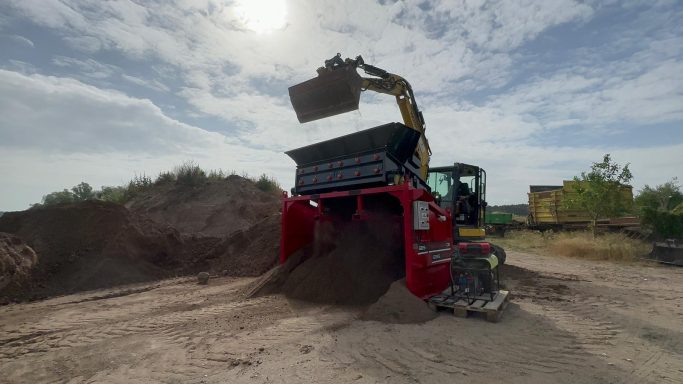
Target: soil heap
[(215, 208), (96, 244), (352, 265), (224, 226), (249, 252), (398, 305)]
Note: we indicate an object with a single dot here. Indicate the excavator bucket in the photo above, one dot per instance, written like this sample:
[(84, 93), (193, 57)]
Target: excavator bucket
[(331, 93), (668, 252)]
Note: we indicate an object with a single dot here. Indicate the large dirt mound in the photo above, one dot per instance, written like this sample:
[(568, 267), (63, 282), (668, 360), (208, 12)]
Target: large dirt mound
[(97, 244), (249, 252), (216, 208), (16, 262), (353, 265)]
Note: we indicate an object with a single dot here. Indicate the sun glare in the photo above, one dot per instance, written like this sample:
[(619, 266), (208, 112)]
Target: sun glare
[(261, 16)]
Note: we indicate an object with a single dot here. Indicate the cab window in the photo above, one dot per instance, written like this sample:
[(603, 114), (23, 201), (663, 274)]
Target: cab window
[(441, 184)]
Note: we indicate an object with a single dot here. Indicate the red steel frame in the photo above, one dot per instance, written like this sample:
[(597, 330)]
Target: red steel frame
[(427, 252)]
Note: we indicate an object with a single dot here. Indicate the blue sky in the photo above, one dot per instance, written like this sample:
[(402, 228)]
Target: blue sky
[(532, 91)]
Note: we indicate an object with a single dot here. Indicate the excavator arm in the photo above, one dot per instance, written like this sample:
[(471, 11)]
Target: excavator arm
[(337, 90)]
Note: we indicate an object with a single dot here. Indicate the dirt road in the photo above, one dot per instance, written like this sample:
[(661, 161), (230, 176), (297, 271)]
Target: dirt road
[(570, 321)]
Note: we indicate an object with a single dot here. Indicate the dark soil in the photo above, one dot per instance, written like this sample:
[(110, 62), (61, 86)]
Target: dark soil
[(96, 244), (398, 305), (351, 265), (249, 252), (224, 226)]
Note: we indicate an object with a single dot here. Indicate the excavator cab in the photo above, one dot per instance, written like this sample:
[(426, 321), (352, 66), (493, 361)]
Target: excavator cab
[(462, 190)]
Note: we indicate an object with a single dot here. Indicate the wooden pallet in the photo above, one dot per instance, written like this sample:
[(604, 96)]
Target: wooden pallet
[(493, 309)]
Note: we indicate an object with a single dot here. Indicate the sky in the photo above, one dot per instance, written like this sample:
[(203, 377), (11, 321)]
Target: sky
[(532, 91)]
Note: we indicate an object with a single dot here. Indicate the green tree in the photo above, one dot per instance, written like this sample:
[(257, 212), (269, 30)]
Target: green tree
[(661, 209), (598, 192), (664, 197), (59, 197), (82, 192)]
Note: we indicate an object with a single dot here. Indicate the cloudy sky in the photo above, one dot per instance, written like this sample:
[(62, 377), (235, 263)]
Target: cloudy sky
[(534, 92)]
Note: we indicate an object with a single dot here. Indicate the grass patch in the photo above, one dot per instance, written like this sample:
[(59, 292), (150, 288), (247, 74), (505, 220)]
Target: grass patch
[(608, 246)]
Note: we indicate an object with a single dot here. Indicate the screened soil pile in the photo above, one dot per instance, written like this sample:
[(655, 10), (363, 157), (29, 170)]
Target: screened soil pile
[(16, 262), (96, 244), (398, 305), (214, 208), (352, 265)]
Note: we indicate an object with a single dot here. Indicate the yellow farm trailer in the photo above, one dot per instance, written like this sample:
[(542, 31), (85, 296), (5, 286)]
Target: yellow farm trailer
[(547, 206)]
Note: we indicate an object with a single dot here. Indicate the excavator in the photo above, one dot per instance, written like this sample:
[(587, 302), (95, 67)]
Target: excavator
[(384, 173)]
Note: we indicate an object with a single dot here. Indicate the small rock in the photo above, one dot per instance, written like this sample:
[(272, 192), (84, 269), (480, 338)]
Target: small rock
[(203, 278), (261, 349)]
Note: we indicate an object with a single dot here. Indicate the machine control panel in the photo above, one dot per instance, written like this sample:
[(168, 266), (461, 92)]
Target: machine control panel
[(421, 215)]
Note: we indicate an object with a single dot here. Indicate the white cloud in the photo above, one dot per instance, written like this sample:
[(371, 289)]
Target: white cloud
[(202, 38), (56, 132), (89, 67), (61, 114), (227, 72), (600, 98), (23, 40), (151, 84)]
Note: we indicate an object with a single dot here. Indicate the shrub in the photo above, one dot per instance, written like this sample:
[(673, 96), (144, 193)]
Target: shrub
[(664, 224), (216, 175), (267, 184), (189, 173), (165, 178), (137, 185), (59, 197), (112, 194)]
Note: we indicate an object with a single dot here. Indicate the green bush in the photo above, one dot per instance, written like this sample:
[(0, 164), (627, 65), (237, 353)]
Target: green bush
[(137, 185), (82, 192), (189, 173), (165, 178), (216, 175), (665, 224), (59, 197), (112, 194), (267, 184), (661, 209)]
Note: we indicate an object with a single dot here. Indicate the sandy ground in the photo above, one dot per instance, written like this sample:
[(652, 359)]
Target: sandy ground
[(570, 321)]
